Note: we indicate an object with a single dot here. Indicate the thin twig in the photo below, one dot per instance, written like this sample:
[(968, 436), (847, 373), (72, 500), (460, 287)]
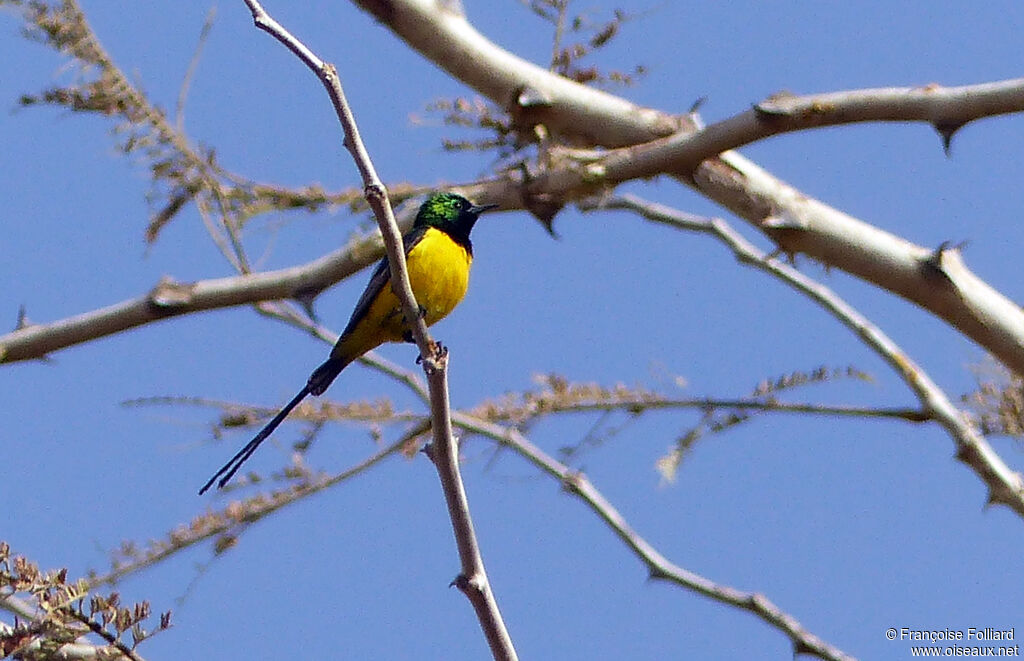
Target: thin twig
[(708, 403), (473, 579), (562, 6), (98, 629), (659, 567), (354, 412), (232, 227), (214, 230), (186, 83)]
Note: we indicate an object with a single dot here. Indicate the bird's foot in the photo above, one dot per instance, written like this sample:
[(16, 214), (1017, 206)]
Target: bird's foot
[(440, 352)]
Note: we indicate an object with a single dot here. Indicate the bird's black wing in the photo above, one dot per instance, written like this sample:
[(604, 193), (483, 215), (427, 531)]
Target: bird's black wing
[(381, 278)]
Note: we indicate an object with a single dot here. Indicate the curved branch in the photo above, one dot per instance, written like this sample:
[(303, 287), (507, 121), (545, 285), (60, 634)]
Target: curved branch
[(1005, 486), (936, 280), (660, 567), (530, 93)]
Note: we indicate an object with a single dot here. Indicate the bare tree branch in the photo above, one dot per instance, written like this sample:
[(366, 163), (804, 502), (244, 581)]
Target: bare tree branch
[(659, 567), (946, 108), (170, 299), (937, 280), (530, 93), (1005, 486), (473, 578)]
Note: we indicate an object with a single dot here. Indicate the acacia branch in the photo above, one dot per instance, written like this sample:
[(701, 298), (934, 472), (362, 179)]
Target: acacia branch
[(936, 280), (530, 93), (946, 108), (170, 299), (659, 567), (1005, 486), (473, 578)]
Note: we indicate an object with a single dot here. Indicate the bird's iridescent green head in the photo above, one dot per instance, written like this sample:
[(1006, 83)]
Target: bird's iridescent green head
[(450, 213)]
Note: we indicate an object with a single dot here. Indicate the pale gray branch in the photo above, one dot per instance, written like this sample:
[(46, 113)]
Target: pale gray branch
[(531, 93), (169, 299), (936, 280), (1005, 486)]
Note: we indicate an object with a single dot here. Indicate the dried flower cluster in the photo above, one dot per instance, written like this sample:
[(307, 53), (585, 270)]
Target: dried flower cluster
[(55, 616)]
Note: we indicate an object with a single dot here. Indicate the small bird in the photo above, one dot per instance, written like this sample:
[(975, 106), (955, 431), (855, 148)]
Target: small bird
[(438, 255)]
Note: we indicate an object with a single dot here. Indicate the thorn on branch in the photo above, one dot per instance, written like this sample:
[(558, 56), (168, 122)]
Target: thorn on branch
[(528, 107), (934, 265), (777, 222), (22, 320), (428, 449), (946, 131), (800, 647), (306, 298), (964, 454), (467, 584), (782, 229), (544, 208)]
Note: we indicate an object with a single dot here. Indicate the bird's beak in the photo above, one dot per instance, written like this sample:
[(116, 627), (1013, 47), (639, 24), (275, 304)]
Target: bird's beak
[(476, 210)]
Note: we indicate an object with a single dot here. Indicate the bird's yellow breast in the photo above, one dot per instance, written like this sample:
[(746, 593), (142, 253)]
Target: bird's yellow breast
[(439, 275)]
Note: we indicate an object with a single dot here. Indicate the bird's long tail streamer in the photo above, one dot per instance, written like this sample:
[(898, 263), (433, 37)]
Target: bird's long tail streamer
[(318, 382), (229, 469)]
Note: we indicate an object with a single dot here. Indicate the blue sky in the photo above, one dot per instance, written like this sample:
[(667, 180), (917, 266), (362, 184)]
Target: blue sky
[(850, 526)]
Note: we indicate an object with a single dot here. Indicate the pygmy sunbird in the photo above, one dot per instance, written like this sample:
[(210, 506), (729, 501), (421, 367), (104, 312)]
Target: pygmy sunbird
[(438, 255)]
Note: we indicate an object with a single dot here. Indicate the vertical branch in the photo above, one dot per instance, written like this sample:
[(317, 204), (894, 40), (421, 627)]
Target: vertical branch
[(473, 578)]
